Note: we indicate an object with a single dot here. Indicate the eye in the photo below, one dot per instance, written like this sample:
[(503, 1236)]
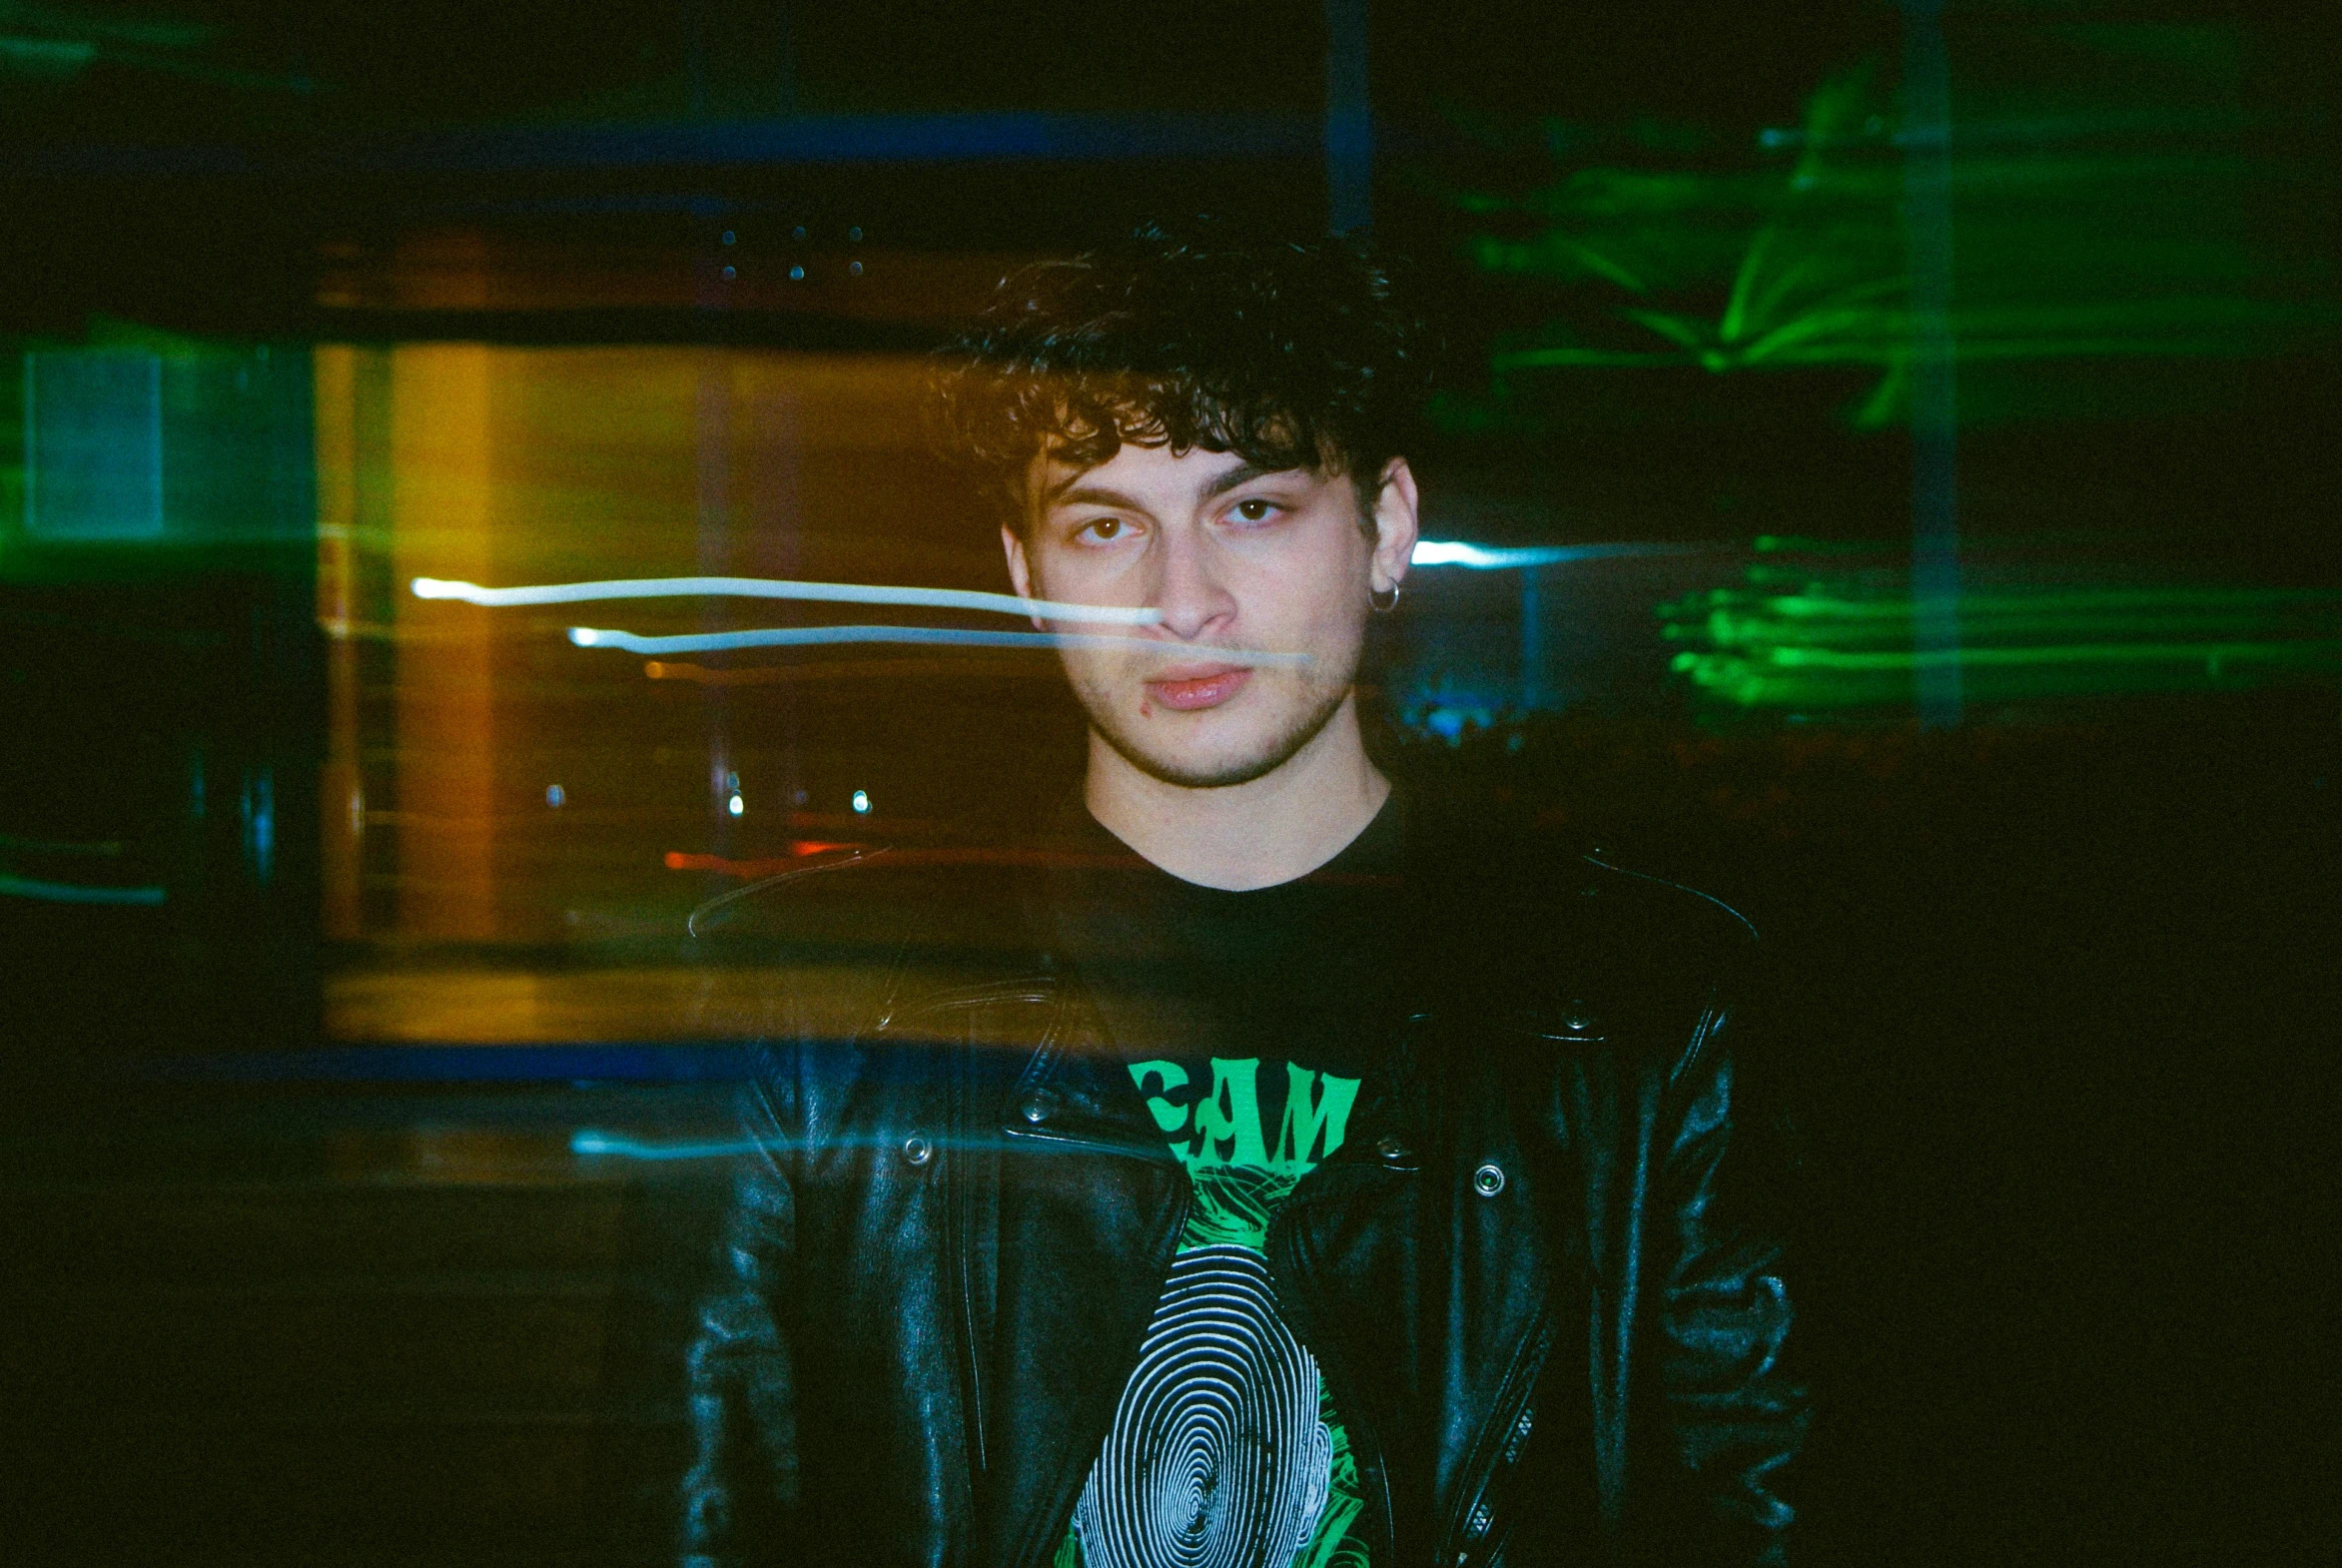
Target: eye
[(1101, 530), (1254, 509)]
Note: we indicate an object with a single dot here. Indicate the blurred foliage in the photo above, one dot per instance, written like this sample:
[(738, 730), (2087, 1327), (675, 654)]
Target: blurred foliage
[(1830, 629), (2112, 200)]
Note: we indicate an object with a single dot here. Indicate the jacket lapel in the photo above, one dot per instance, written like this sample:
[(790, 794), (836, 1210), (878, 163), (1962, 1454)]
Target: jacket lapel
[(1091, 1205)]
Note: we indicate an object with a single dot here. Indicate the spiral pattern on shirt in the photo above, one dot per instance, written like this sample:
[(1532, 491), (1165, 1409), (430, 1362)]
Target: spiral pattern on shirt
[(1218, 1457)]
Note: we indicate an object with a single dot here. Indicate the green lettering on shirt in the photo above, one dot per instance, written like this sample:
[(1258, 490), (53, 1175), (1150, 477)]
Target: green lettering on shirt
[(1231, 1115), (1304, 1121), (1229, 1129), (1168, 1115)]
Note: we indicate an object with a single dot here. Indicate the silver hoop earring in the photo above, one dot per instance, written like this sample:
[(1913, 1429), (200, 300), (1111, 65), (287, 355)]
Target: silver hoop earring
[(1383, 605)]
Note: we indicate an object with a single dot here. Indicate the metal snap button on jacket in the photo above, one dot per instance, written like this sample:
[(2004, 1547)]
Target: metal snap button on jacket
[(917, 1151), (1488, 1180), (1393, 1149)]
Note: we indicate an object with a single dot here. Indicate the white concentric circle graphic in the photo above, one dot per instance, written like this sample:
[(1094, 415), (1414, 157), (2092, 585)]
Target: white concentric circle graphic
[(1217, 1457)]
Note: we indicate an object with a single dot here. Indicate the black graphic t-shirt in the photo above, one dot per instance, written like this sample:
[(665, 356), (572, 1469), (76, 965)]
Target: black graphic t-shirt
[(1247, 1020)]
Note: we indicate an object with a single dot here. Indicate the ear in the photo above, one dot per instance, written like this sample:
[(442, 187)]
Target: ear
[(1019, 569), (1395, 525)]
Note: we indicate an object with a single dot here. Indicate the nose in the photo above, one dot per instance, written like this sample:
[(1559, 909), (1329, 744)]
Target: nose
[(1194, 601)]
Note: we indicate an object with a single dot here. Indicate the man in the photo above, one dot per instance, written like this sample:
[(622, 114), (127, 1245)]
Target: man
[(1272, 1172)]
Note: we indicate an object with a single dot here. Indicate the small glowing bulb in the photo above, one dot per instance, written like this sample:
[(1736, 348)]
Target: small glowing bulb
[(555, 796), (735, 805), (862, 802)]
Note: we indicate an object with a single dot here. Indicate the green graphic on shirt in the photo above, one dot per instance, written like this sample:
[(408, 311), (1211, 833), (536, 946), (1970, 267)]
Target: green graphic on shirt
[(1234, 1204), (1226, 1128), (1331, 1545), (1279, 1487)]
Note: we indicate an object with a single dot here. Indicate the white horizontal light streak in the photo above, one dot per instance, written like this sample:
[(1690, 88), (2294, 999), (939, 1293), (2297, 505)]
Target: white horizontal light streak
[(951, 636), (1489, 557), (782, 588)]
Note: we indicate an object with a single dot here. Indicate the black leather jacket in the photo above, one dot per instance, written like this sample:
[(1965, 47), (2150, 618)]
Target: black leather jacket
[(1534, 1275)]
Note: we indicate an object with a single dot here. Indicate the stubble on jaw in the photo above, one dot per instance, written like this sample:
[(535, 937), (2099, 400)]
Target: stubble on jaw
[(1326, 698)]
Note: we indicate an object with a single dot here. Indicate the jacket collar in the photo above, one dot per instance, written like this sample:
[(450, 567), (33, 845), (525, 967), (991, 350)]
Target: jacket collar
[(1075, 1089)]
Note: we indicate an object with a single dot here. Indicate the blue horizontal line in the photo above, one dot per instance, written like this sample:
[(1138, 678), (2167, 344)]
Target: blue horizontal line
[(922, 636), (882, 139), (797, 140), (78, 892), (592, 1141)]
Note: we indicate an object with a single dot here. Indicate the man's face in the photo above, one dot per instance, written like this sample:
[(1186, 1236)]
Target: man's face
[(1236, 559)]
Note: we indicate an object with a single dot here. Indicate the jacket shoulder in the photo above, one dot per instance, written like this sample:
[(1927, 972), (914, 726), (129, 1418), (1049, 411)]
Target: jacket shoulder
[(875, 895), (1665, 910), (1544, 880), (851, 938), (1550, 931)]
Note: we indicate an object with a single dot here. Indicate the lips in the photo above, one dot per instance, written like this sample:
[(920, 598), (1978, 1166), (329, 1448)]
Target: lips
[(1187, 690)]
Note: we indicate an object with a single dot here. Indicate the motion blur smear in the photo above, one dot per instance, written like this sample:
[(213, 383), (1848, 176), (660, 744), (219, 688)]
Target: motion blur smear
[(1884, 475)]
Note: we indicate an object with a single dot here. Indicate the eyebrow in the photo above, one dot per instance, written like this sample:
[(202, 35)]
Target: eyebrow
[(1090, 495), (1241, 473), (1099, 496)]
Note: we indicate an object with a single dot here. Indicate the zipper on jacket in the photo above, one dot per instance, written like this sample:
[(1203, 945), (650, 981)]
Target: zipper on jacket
[(1472, 1524)]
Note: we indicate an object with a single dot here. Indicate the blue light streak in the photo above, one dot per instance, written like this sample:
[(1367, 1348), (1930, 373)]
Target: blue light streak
[(587, 1141), (76, 893), (947, 637), (1488, 557), (782, 588)]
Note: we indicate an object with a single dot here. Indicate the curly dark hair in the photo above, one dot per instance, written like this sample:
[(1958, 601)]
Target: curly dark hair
[(1292, 356)]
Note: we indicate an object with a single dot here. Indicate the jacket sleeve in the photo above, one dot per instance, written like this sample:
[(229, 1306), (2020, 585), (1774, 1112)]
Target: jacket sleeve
[(739, 1497), (1735, 1413)]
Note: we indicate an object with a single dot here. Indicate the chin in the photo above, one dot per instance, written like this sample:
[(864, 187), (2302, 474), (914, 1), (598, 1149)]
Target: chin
[(1220, 761), (1191, 772)]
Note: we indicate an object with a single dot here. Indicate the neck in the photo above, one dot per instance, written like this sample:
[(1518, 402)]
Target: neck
[(1282, 825)]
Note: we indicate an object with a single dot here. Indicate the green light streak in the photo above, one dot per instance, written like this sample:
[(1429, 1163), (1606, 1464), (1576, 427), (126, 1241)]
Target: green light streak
[(1815, 644)]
